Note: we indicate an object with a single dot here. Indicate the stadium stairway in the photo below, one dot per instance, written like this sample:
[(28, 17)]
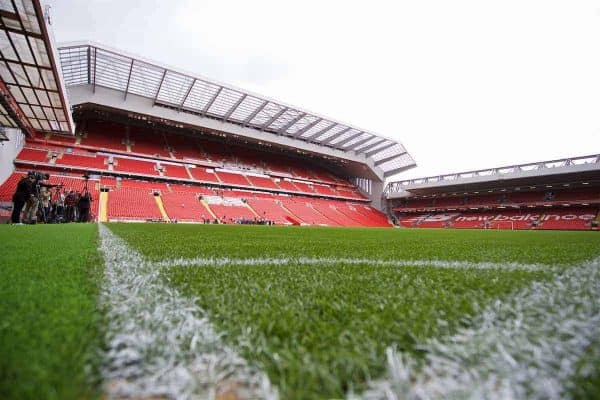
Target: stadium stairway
[(103, 207), (161, 208)]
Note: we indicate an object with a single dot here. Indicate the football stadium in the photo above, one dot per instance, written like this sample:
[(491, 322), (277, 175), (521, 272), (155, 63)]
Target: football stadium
[(169, 236)]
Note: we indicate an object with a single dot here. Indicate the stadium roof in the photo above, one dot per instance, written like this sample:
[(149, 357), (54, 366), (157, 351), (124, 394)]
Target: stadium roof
[(33, 95), (584, 168), (92, 64)]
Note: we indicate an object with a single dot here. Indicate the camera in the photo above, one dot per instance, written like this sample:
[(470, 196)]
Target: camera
[(39, 176)]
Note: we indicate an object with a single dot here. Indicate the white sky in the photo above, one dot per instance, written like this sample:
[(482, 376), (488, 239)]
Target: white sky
[(462, 84)]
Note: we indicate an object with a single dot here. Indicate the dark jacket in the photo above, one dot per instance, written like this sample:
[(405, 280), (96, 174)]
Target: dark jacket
[(24, 190)]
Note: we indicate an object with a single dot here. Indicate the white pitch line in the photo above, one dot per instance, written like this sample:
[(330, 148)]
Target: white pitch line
[(226, 261), (161, 344), (527, 346)]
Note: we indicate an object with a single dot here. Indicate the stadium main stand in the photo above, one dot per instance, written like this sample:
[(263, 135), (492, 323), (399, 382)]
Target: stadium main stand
[(227, 183)]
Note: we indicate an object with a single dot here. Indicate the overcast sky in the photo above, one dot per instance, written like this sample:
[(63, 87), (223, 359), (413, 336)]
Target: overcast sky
[(462, 84)]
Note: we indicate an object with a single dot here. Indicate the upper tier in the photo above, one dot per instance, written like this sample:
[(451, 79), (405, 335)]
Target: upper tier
[(106, 147)]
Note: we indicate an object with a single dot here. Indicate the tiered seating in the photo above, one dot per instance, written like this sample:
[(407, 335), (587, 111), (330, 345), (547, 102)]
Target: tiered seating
[(303, 187), (9, 186), (192, 189), (92, 161), (184, 147), (271, 210), (216, 151), (150, 143), (287, 186), (201, 174), (234, 179), (228, 210), (68, 140), (304, 212), (132, 204), (364, 215), (184, 206), (329, 210), (33, 155), (136, 166), (262, 182), (104, 135), (155, 186), (543, 218), (578, 219), (175, 171), (427, 220), (108, 181), (325, 190)]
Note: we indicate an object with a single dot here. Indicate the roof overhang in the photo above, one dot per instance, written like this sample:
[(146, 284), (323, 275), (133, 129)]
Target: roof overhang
[(98, 74), (585, 168), (29, 70)]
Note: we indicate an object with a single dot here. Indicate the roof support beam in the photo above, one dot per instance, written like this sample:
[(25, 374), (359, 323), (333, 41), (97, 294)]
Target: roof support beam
[(128, 78), (291, 123), (160, 86), (350, 138), (380, 149), (186, 94), (337, 135), (95, 64), (89, 65), (307, 127), (211, 101), (254, 113), (234, 107), (273, 118), (322, 131), (372, 145), (359, 143), (388, 158)]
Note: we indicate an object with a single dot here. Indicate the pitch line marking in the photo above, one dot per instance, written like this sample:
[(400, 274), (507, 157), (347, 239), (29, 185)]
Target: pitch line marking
[(226, 261), (161, 343), (527, 346)]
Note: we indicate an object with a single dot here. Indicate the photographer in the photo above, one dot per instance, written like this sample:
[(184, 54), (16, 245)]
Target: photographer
[(32, 185), (84, 204), (25, 189)]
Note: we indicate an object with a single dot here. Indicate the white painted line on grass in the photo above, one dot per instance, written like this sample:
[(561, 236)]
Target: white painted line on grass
[(162, 344), (527, 346), (226, 261)]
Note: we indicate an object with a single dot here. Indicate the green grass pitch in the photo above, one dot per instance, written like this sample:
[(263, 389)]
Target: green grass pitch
[(318, 331)]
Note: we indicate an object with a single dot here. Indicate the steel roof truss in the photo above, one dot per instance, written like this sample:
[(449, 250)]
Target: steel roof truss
[(273, 118), (322, 131), (388, 158), (380, 149), (128, 79), (210, 103), (371, 146), (337, 135), (234, 107), (255, 112), (287, 126), (307, 127), (360, 142)]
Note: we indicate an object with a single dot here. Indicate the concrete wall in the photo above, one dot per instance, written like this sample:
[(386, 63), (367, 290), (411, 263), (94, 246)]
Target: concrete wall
[(9, 151)]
